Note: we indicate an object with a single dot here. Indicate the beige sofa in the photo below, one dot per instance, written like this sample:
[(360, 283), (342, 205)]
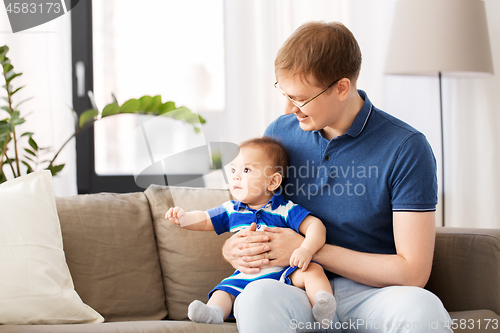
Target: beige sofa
[(140, 272)]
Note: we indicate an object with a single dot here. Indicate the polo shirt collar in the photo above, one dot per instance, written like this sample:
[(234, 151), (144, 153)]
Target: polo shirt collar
[(275, 202), (361, 119)]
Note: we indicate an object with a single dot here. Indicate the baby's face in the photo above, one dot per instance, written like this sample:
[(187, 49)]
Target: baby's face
[(250, 175)]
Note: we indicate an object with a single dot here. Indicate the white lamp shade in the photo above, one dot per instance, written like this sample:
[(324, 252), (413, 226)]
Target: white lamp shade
[(432, 36)]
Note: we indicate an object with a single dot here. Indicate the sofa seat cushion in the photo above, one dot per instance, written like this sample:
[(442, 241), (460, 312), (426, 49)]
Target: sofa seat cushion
[(191, 261), (476, 321), (111, 253), (159, 326)]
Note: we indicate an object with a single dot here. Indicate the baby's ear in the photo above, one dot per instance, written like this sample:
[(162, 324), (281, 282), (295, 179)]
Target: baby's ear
[(275, 182)]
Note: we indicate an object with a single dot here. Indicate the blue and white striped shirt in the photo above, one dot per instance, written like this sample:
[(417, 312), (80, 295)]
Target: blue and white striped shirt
[(233, 215)]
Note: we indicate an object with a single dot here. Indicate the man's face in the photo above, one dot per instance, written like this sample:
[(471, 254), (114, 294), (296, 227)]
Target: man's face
[(323, 111)]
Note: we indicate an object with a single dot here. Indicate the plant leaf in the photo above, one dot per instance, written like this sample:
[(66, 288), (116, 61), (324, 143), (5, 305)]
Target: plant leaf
[(75, 116), (180, 113), (54, 169), (110, 109), (155, 104), (4, 130), (30, 152), (12, 93), (87, 116), (145, 102), (3, 50), (15, 118), (29, 158), (21, 102), (7, 67), (131, 106), (30, 169), (92, 99), (166, 107), (12, 75), (27, 134), (33, 143)]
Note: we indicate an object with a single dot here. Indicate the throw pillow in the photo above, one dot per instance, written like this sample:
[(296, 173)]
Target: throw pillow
[(191, 261), (35, 283)]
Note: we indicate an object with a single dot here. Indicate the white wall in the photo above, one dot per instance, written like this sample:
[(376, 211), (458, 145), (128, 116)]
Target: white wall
[(43, 55), (472, 116)]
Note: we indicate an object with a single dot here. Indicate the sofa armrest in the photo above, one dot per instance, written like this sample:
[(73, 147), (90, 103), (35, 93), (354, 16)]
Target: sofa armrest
[(466, 269)]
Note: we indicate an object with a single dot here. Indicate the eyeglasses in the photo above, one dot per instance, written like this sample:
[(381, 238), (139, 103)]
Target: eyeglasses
[(297, 104)]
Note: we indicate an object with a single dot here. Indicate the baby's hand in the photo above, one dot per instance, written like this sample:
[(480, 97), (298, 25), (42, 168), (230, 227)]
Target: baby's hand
[(176, 215), (301, 258)]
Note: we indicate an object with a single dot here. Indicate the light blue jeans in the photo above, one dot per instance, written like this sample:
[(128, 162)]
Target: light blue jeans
[(272, 306)]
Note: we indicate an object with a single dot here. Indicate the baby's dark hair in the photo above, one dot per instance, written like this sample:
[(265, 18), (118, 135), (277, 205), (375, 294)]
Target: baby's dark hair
[(274, 150)]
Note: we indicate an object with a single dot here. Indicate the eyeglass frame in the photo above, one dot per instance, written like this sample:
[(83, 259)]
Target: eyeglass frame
[(294, 102)]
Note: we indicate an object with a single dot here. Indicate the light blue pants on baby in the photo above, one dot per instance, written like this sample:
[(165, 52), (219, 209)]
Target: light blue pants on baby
[(271, 306)]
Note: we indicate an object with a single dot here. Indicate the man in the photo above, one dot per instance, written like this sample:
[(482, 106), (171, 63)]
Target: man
[(368, 176)]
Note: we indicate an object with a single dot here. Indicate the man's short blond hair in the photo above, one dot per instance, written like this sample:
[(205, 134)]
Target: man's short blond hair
[(326, 51)]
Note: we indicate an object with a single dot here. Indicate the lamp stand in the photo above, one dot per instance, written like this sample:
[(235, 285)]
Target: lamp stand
[(442, 145)]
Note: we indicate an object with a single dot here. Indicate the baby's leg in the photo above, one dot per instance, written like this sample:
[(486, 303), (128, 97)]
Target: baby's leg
[(318, 290), (217, 309)]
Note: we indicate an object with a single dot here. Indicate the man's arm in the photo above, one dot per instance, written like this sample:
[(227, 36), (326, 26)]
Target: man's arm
[(414, 235)]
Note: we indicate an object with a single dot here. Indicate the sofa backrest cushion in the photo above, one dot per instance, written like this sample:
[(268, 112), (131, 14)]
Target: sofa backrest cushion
[(111, 254), (466, 269), (191, 261)]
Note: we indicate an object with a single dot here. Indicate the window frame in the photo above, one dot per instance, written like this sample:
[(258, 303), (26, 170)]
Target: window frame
[(88, 181)]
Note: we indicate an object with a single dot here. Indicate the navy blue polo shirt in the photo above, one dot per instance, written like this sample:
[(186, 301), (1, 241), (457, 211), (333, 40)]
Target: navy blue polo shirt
[(355, 181)]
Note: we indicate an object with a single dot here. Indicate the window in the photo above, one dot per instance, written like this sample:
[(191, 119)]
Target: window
[(153, 47)]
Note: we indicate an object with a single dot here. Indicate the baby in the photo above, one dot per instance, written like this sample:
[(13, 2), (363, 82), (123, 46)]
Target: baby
[(255, 176)]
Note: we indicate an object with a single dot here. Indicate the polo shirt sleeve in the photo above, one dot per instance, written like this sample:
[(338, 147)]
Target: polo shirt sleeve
[(270, 129), (220, 218), (296, 214), (413, 182)]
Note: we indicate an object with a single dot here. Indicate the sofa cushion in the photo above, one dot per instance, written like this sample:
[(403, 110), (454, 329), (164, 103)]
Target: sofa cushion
[(111, 253), (476, 321), (159, 326), (35, 284), (191, 261), (465, 273)]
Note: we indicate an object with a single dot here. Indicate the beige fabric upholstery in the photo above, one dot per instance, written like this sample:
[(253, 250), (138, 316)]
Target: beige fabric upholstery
[(159, 326), (477, 321), (112, 256), (191, 261), (466, 270), (111, 253)]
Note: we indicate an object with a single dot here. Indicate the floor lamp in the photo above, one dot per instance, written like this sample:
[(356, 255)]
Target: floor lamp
[(439, 37)]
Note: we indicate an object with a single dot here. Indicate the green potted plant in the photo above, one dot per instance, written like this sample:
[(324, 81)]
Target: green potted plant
[(16, 151)]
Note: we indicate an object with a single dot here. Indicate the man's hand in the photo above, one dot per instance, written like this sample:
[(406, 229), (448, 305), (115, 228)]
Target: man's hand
[(282, 242), (301, 258), (247, 250)]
